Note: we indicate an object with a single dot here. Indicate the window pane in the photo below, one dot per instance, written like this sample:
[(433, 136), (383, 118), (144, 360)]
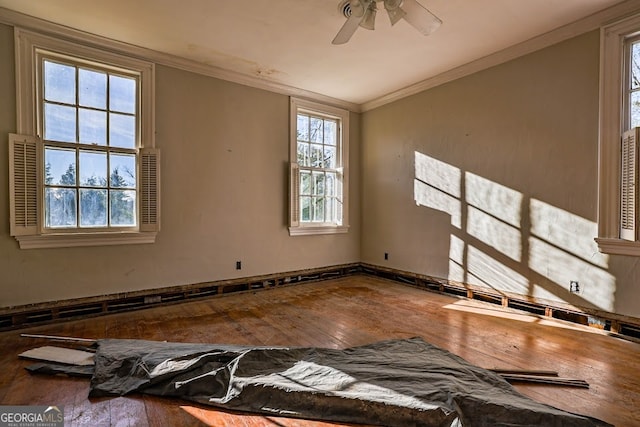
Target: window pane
[(330, 132), (92, 88), (60, 207), (305, 182), (303, 128), (122, 131), (316, 156), (316, 134), (59, 166), (318, 183), (123, 207), (330, 157), (93, 169), (305, 208), (303, 154), (93, 208), (123, 170), (635, 109), (635, 66), (330, 209), (93, 126), (318, 213), (59, 83), (59, 123), (122, 94), (330, 184)]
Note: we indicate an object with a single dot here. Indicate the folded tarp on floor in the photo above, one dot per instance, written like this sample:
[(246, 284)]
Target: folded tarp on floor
[(392, 383)]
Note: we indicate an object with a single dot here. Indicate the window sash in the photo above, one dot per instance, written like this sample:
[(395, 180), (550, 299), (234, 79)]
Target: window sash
[(74, 192)]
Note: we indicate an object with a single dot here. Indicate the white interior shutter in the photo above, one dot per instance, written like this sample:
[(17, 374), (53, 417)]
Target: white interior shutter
[(150, 189), (294, 196), (24, 159), (628, 185)]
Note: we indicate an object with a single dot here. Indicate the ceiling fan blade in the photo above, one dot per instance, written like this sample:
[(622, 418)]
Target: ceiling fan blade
[(369, 18), (395, 15), (419, 17), (347, 30)]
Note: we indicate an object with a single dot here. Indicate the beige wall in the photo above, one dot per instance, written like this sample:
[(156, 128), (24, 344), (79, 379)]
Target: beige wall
[(224, 198), (492, 180)]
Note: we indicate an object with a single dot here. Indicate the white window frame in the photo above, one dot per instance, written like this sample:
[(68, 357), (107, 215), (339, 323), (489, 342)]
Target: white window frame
[(28, 228), (613, 123), (296, 226)]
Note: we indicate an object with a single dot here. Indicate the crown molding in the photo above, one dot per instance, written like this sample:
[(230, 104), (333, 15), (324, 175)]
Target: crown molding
[(41, 26), (589, 23)]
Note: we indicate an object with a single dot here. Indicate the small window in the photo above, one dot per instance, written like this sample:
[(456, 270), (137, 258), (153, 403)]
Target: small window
[(318, 168), (86, 118)]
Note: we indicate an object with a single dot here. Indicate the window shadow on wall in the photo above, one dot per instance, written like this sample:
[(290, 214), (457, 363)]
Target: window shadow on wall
[(503, 239)]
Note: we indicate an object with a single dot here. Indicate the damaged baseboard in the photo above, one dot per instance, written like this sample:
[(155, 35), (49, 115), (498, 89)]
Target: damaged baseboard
[(626, 327), (38, 314), (50, 312)]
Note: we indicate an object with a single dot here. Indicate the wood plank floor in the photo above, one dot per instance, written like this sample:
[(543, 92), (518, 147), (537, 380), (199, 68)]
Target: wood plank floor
[(339, 313)]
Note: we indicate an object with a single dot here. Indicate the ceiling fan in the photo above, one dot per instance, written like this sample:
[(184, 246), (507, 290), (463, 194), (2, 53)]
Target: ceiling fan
[(363, 13)]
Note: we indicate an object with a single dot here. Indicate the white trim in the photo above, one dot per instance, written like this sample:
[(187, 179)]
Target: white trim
[(618, 246), (80, 239), (30, 48), (17, 19), (581, 26), (306, 230), (612, 38), (27, 44)]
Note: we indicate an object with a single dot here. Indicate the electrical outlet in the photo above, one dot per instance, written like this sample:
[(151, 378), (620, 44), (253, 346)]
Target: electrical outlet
[(238, 265), (574, 287), (386, 255)]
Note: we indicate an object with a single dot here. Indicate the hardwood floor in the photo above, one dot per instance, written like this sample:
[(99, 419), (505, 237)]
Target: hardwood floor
[(339, 313)]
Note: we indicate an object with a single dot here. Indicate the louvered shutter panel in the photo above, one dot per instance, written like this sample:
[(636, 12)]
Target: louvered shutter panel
[(23, 184), (294, 196), (150, 189), (629, 187)]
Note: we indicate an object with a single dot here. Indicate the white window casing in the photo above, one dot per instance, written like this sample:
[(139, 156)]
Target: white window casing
[(612, 238), (26, 148), (297, 226)]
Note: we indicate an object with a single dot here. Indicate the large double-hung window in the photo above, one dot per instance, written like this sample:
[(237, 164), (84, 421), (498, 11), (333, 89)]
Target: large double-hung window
[(319, 139), (83, 167)]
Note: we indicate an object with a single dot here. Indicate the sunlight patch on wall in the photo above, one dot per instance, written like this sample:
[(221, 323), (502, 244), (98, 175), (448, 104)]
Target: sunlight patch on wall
[(437, 186), (438, 174), (554, 244), (596, 285), (486, 271), (495, 233), (567, 231), (497, 200), (456, 259)]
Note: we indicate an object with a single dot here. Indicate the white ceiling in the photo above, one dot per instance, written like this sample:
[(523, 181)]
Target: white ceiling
[(288, 42)]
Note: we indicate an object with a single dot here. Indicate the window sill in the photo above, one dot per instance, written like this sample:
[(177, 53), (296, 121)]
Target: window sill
[(311, 230), (45, 241), (618, 246)]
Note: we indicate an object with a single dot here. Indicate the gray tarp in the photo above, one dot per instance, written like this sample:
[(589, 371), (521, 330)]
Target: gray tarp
[(394, 383)]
